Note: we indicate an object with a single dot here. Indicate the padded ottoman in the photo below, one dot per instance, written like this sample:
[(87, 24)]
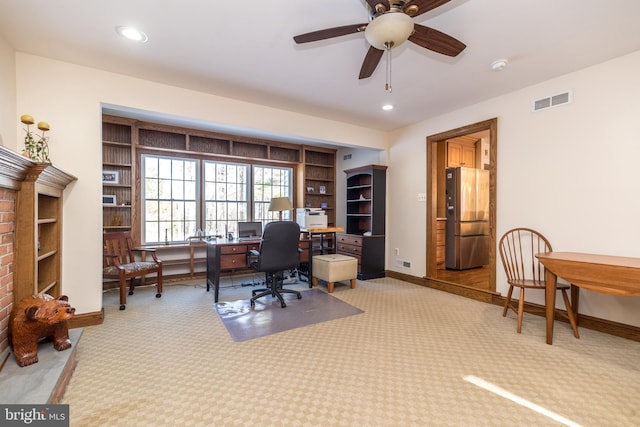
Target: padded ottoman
[(334, 268)]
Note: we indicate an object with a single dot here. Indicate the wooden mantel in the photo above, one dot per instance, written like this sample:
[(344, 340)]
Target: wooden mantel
[(14, 169)]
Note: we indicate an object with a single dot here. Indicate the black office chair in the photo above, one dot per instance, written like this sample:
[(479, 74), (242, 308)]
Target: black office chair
[(278, 252)]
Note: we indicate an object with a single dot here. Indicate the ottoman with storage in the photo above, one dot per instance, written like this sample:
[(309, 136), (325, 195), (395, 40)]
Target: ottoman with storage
[(334, 268)]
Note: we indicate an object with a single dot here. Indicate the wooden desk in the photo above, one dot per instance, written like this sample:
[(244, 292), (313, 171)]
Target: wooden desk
[(601, 273), (231, 255), (321, 232)]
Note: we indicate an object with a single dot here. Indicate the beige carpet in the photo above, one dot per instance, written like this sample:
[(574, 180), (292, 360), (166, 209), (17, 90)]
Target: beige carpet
[(409, 359)]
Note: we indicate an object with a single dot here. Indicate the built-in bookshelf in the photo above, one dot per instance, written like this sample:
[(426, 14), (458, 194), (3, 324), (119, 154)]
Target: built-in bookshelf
[(117, 176), (320, 181), (38, 234)]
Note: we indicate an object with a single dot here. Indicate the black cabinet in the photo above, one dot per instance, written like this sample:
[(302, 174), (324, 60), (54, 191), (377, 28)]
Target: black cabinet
[(366, 187), (366, 204), (368, 250)]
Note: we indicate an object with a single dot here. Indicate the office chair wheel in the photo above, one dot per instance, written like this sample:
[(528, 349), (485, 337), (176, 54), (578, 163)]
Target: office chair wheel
[(282, 304), (122, 306), (253, 304), (299, 296), (158, 295), (130, 292)]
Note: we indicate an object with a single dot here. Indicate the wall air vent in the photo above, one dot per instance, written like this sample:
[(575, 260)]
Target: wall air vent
[(552, 101)]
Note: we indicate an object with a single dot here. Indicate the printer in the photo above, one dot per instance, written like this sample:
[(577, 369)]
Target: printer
[(311, 218)]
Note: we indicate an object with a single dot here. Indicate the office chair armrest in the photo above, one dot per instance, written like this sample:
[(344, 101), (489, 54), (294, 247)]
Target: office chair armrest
[(253, 252)]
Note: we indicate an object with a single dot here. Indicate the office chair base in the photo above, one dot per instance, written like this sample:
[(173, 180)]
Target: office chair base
[(275, 293)]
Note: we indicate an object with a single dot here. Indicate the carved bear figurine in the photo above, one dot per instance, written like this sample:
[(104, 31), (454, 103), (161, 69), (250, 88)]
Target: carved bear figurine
[(36, 317)]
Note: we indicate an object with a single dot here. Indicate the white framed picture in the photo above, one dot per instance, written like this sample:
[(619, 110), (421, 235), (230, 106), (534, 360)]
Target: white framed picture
[(110, 177), (108, 200), (322, 189)]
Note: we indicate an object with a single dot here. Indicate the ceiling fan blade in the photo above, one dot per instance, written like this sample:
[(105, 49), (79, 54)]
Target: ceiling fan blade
[(372, 4), (370, 62), (424, 6), (329, 33), (436, 41)]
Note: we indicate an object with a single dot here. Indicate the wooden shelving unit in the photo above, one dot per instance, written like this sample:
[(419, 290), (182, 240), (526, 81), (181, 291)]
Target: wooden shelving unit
[(366, 205), (320, 181), (38, 235), (117, 156)]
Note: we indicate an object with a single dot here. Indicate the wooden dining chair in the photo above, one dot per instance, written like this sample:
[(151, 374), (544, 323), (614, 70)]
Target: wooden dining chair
[(122, 261), (518, 248)]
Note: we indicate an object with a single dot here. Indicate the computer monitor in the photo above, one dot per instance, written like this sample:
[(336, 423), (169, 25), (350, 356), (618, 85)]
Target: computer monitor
[(249, 229)]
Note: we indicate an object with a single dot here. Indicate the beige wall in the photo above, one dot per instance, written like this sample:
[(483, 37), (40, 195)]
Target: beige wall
[(8, 114), (571, 172), (69, 97)]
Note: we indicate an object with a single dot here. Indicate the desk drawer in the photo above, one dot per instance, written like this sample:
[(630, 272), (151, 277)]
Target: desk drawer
[(233, 249), (349, 249), (349, 239), (228, 262)]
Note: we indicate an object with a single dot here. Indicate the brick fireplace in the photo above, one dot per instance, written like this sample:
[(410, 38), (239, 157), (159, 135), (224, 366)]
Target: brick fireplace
[(7, 225)]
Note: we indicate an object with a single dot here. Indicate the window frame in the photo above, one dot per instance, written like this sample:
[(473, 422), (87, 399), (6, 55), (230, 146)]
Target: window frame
[(201, 216)]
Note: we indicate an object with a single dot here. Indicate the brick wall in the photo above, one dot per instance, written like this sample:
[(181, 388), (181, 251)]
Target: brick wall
[(7, 226)]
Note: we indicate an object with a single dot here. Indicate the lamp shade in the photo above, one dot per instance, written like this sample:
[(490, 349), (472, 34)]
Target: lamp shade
[(280, 204), (389, 30)]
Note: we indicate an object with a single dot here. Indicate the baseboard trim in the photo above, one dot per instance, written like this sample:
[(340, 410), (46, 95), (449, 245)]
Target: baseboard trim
[(86, 319), (452, 288), (588, 322)]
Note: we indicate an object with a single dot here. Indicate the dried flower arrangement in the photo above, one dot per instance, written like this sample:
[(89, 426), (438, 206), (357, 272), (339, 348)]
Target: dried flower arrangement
[(36, 147)]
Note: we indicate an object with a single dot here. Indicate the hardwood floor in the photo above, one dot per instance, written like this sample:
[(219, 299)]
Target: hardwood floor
[(475, 277)]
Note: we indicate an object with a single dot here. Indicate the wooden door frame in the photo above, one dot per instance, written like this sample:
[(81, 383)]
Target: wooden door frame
[(490, 125)]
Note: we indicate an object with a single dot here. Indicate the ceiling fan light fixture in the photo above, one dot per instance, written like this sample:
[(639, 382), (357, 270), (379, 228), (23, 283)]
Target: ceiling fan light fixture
[(389, 30)]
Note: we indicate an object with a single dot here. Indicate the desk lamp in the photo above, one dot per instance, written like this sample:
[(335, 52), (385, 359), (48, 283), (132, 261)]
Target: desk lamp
[(280, 204)]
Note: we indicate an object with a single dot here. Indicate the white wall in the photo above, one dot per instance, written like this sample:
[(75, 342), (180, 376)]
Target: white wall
[(69, 97), (8, 115), (571, 172)]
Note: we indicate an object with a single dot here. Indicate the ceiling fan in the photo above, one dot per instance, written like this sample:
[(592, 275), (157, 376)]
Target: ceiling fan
[(391, 24)]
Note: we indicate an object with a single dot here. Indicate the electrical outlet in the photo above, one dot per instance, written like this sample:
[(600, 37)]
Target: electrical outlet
[(397, 251), (422, 197)]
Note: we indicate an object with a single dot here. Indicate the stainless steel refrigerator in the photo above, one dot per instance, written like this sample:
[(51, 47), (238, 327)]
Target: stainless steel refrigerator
[(467, 229)]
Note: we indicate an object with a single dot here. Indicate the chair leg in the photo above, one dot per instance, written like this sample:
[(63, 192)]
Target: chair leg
[(507, 302), (520, 310), (572, 318), (123, 293), (159, 285)]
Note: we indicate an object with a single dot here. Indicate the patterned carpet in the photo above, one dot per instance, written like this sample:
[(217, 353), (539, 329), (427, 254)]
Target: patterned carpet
[(415, 357)]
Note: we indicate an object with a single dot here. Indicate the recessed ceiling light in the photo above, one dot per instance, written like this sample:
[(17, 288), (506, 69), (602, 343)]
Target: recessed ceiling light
[(387, 107), (499, 64), (132, 34)]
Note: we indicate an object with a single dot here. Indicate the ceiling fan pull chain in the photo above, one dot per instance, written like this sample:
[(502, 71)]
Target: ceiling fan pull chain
[(387, 86)]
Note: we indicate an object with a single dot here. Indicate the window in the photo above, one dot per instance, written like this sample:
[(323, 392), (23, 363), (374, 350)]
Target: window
[(169, 192), (182, 196), (226, 196), (269, 182)]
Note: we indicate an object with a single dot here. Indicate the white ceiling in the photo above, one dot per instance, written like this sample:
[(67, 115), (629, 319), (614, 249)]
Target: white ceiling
[(244, 49)]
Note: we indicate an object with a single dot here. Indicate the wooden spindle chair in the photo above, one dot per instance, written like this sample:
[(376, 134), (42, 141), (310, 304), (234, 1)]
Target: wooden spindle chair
[(518, 248)]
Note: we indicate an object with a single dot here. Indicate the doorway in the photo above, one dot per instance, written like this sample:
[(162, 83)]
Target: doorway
[(484, 278)]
